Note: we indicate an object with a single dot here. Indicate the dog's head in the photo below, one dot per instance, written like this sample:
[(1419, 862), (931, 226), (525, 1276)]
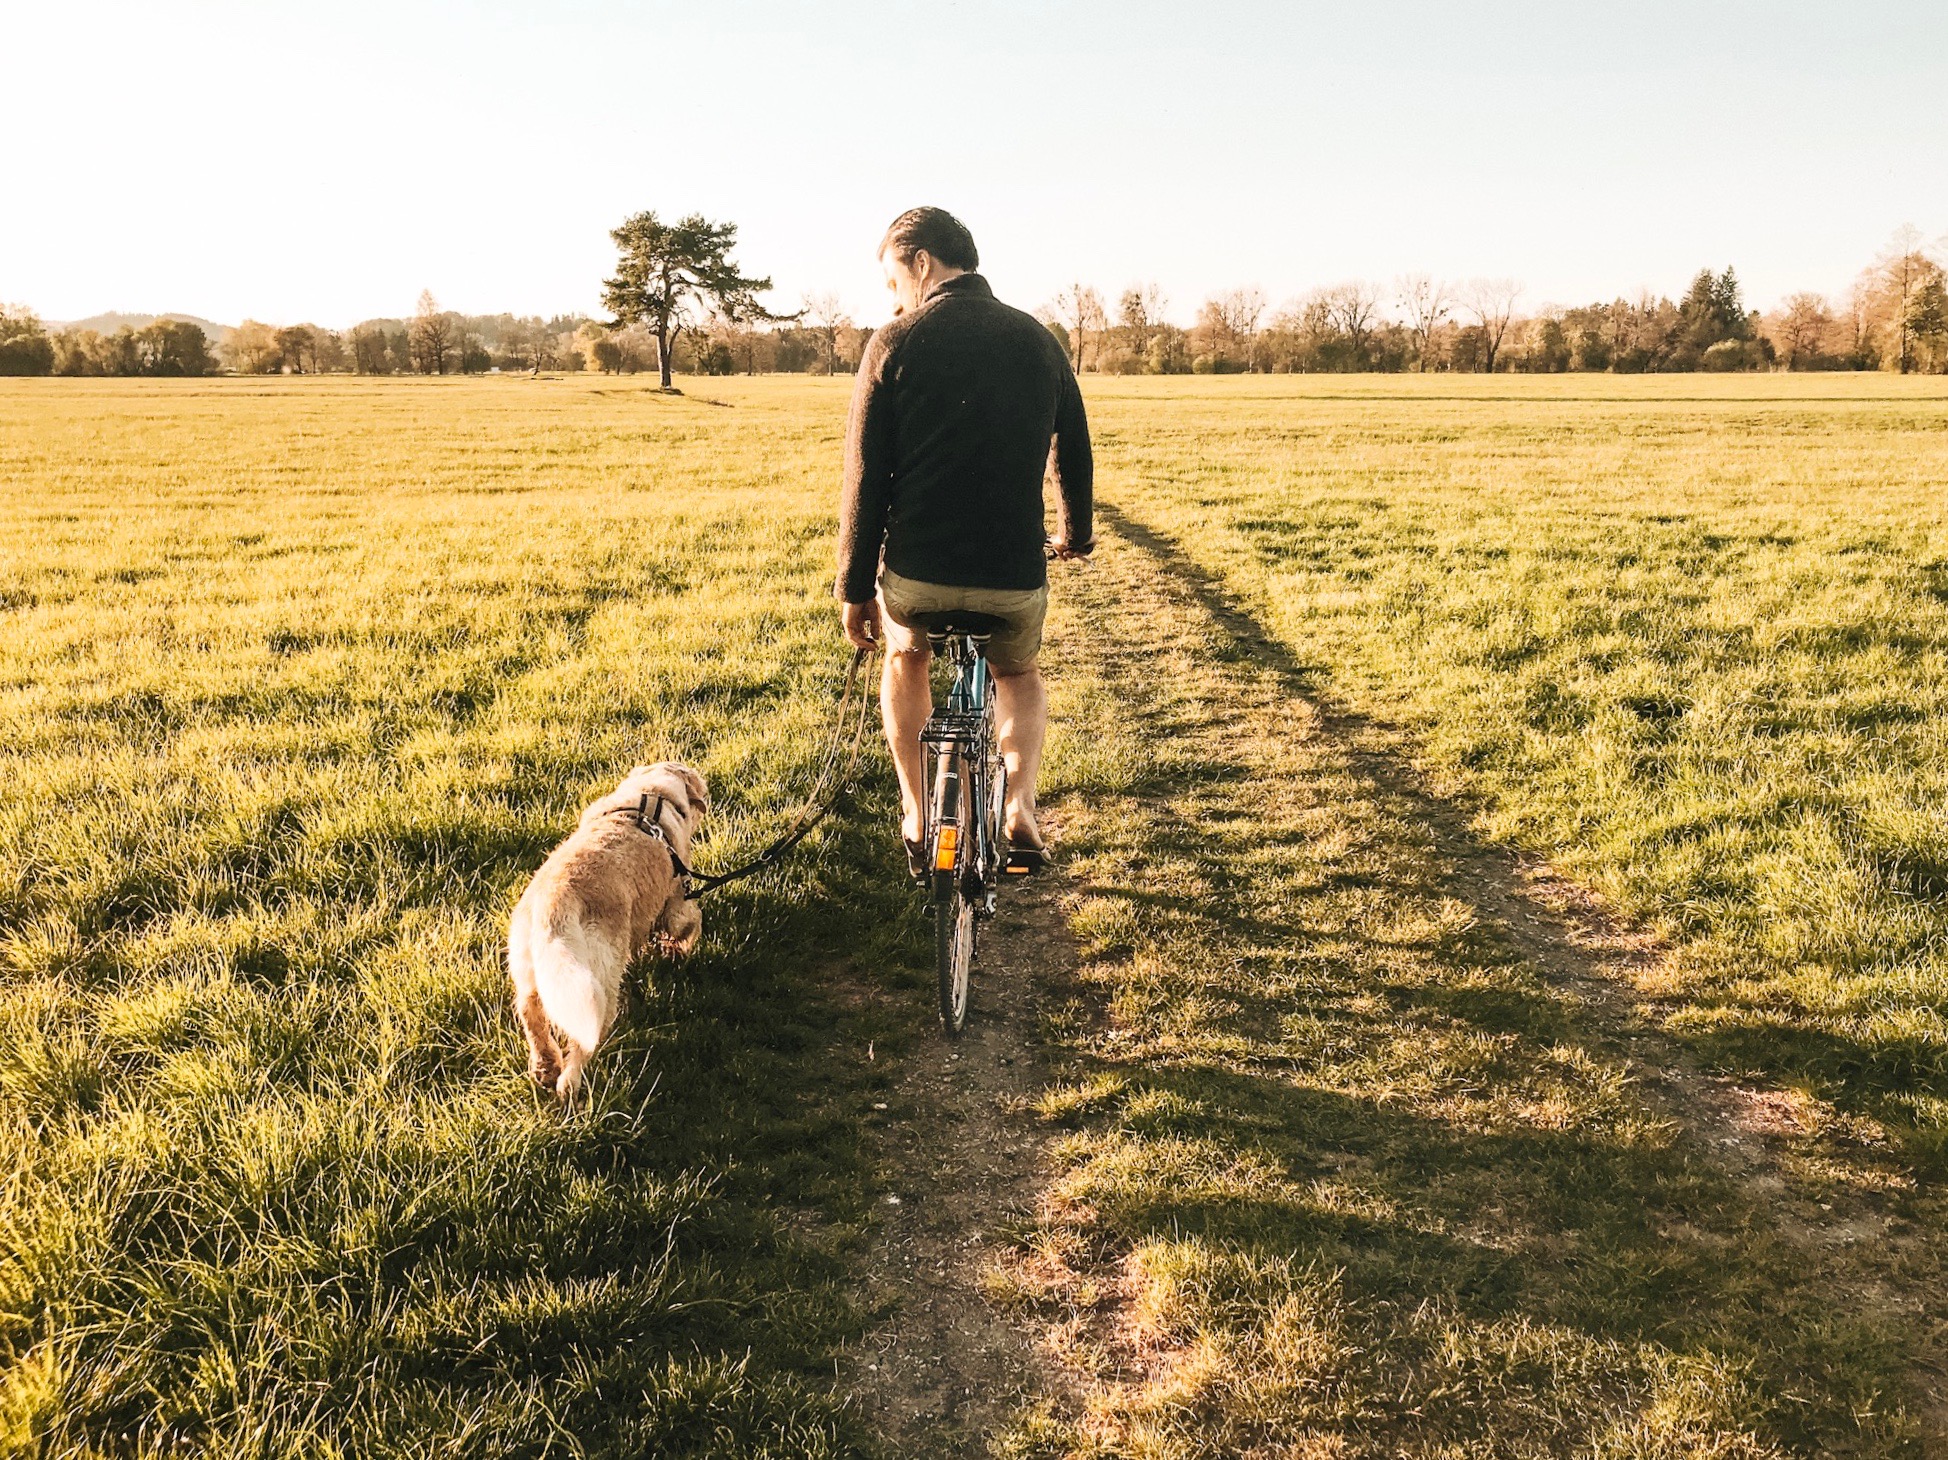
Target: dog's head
[(679, 785)]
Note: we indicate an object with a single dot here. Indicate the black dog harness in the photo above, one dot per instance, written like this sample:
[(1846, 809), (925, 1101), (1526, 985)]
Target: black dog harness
[(650, 824)]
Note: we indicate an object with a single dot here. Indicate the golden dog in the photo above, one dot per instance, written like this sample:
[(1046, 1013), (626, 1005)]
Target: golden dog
[(603, 895)]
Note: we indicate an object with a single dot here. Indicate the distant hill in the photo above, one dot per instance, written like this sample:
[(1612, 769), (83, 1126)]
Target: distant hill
[(112, 321)]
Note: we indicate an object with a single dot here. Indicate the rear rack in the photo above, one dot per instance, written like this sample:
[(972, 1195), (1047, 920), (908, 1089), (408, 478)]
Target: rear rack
[(959, 728)]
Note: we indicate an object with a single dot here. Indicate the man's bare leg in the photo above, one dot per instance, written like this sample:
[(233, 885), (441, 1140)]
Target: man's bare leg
[(905, 703), (1021, 719)]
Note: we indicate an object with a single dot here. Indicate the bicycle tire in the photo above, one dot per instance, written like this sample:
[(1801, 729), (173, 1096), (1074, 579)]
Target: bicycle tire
[(953, 943)]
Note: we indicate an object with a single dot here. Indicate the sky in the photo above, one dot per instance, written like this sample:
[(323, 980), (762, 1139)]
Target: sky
[(294, 161)]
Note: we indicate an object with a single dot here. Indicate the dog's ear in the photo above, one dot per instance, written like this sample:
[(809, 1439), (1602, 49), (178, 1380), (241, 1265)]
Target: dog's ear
[(694, 784)]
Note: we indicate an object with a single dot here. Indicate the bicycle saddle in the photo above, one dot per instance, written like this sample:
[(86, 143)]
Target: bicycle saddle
[(942, 622)]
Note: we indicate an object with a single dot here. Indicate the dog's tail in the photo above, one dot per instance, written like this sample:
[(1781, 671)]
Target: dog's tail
[(577, 976)]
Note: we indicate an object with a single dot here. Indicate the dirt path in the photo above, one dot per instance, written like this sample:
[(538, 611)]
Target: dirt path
[(943, 1372)]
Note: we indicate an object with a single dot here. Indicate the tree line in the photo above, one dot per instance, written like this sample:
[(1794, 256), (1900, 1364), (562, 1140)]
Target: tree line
[(679, 304), (1894, 317), (820, 339)]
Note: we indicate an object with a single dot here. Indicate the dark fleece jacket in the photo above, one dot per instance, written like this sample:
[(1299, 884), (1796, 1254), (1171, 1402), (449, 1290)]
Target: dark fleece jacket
[(948, 441)]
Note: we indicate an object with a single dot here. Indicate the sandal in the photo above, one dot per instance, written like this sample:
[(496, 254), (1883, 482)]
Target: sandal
[(916, 860)]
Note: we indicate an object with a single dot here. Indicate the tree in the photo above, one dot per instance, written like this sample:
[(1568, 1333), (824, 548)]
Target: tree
[(252, 349), (328, 350), (430, 336), (1426, 303), (1492, 303), (1800, 330), (1901, 271), (1139, 318), (530, 345), (1546, 349), (25, 348), (1710, 314), (827, 318), (1352, 307), (370, 355), (173, 347), (1241, 309), (1227, 330), (1927, 324), (1079, 310), (669, 270), (297, 348)]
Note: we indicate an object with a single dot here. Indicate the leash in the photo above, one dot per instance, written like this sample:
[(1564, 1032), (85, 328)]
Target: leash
[(841, 760)]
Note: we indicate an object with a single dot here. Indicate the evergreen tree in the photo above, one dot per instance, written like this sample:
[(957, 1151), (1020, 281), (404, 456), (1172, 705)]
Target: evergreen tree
[(668, 270)]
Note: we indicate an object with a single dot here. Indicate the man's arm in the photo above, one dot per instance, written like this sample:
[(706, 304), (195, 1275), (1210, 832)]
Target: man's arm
[(866, 494), (1075, 467)]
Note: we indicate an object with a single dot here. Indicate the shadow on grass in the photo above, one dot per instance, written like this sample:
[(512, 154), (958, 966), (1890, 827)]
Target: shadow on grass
[(1434, 1115), (1875, 1074)]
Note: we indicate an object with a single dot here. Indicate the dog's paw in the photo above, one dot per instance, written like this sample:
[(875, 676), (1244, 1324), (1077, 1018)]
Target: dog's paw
[(544, 1072)]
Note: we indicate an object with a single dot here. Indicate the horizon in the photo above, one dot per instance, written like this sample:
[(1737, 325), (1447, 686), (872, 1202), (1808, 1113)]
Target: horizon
[(1590, 156)]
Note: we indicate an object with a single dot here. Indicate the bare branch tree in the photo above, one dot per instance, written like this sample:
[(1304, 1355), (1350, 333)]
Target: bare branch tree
[(431, 336), (1427, 301), (1492, 303), (1079, 310), (1901, 269), (1352, 308), (827, 318), (1801, 328), (1241, 310)]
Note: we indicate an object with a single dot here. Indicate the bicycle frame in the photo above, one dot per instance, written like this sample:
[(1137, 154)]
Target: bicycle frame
[(958, 743)]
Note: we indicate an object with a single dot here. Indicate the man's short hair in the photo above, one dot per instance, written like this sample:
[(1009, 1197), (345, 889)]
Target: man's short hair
[(936, 230)]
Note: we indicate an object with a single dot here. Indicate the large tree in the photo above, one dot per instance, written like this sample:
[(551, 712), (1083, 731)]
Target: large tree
[(828, 317), (1492, 303), (1894, 280), (669, 271), (431, 336), (1427, 302), (25, 348), (1079, 310)]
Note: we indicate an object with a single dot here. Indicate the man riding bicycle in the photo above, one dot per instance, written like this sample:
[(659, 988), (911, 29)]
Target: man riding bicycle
[(954, 410)]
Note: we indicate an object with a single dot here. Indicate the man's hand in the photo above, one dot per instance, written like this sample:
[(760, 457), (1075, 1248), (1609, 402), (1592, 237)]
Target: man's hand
[(861, 621)]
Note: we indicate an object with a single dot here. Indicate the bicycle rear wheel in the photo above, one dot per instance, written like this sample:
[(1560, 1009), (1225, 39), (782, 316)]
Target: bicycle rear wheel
[(953, 938)]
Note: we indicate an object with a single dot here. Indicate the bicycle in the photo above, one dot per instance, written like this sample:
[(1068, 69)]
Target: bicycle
[(965, 835)]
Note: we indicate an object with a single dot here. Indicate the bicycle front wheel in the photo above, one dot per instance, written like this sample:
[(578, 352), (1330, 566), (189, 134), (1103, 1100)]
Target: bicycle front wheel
[(953, 938)]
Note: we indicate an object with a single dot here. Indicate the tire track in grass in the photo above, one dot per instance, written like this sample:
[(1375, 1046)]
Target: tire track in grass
[(1368, 1148)]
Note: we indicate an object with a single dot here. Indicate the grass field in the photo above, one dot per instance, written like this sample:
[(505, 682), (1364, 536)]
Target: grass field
[(1348, 1151)]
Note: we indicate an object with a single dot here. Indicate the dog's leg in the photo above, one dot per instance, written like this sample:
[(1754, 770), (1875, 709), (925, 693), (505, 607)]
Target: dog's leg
[(682, 926), (544, 1057), (573, 1058)]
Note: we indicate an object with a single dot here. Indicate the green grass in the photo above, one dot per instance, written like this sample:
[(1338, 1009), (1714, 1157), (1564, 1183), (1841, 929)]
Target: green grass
[(298, 686), (1347, 1167), (1688, 639), (300, 679)]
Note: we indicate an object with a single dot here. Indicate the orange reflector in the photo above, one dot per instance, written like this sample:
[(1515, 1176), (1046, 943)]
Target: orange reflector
[(943, 856)]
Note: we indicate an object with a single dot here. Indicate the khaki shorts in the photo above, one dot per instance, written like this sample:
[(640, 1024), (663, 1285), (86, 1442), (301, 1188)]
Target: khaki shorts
[(1013, 647)]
